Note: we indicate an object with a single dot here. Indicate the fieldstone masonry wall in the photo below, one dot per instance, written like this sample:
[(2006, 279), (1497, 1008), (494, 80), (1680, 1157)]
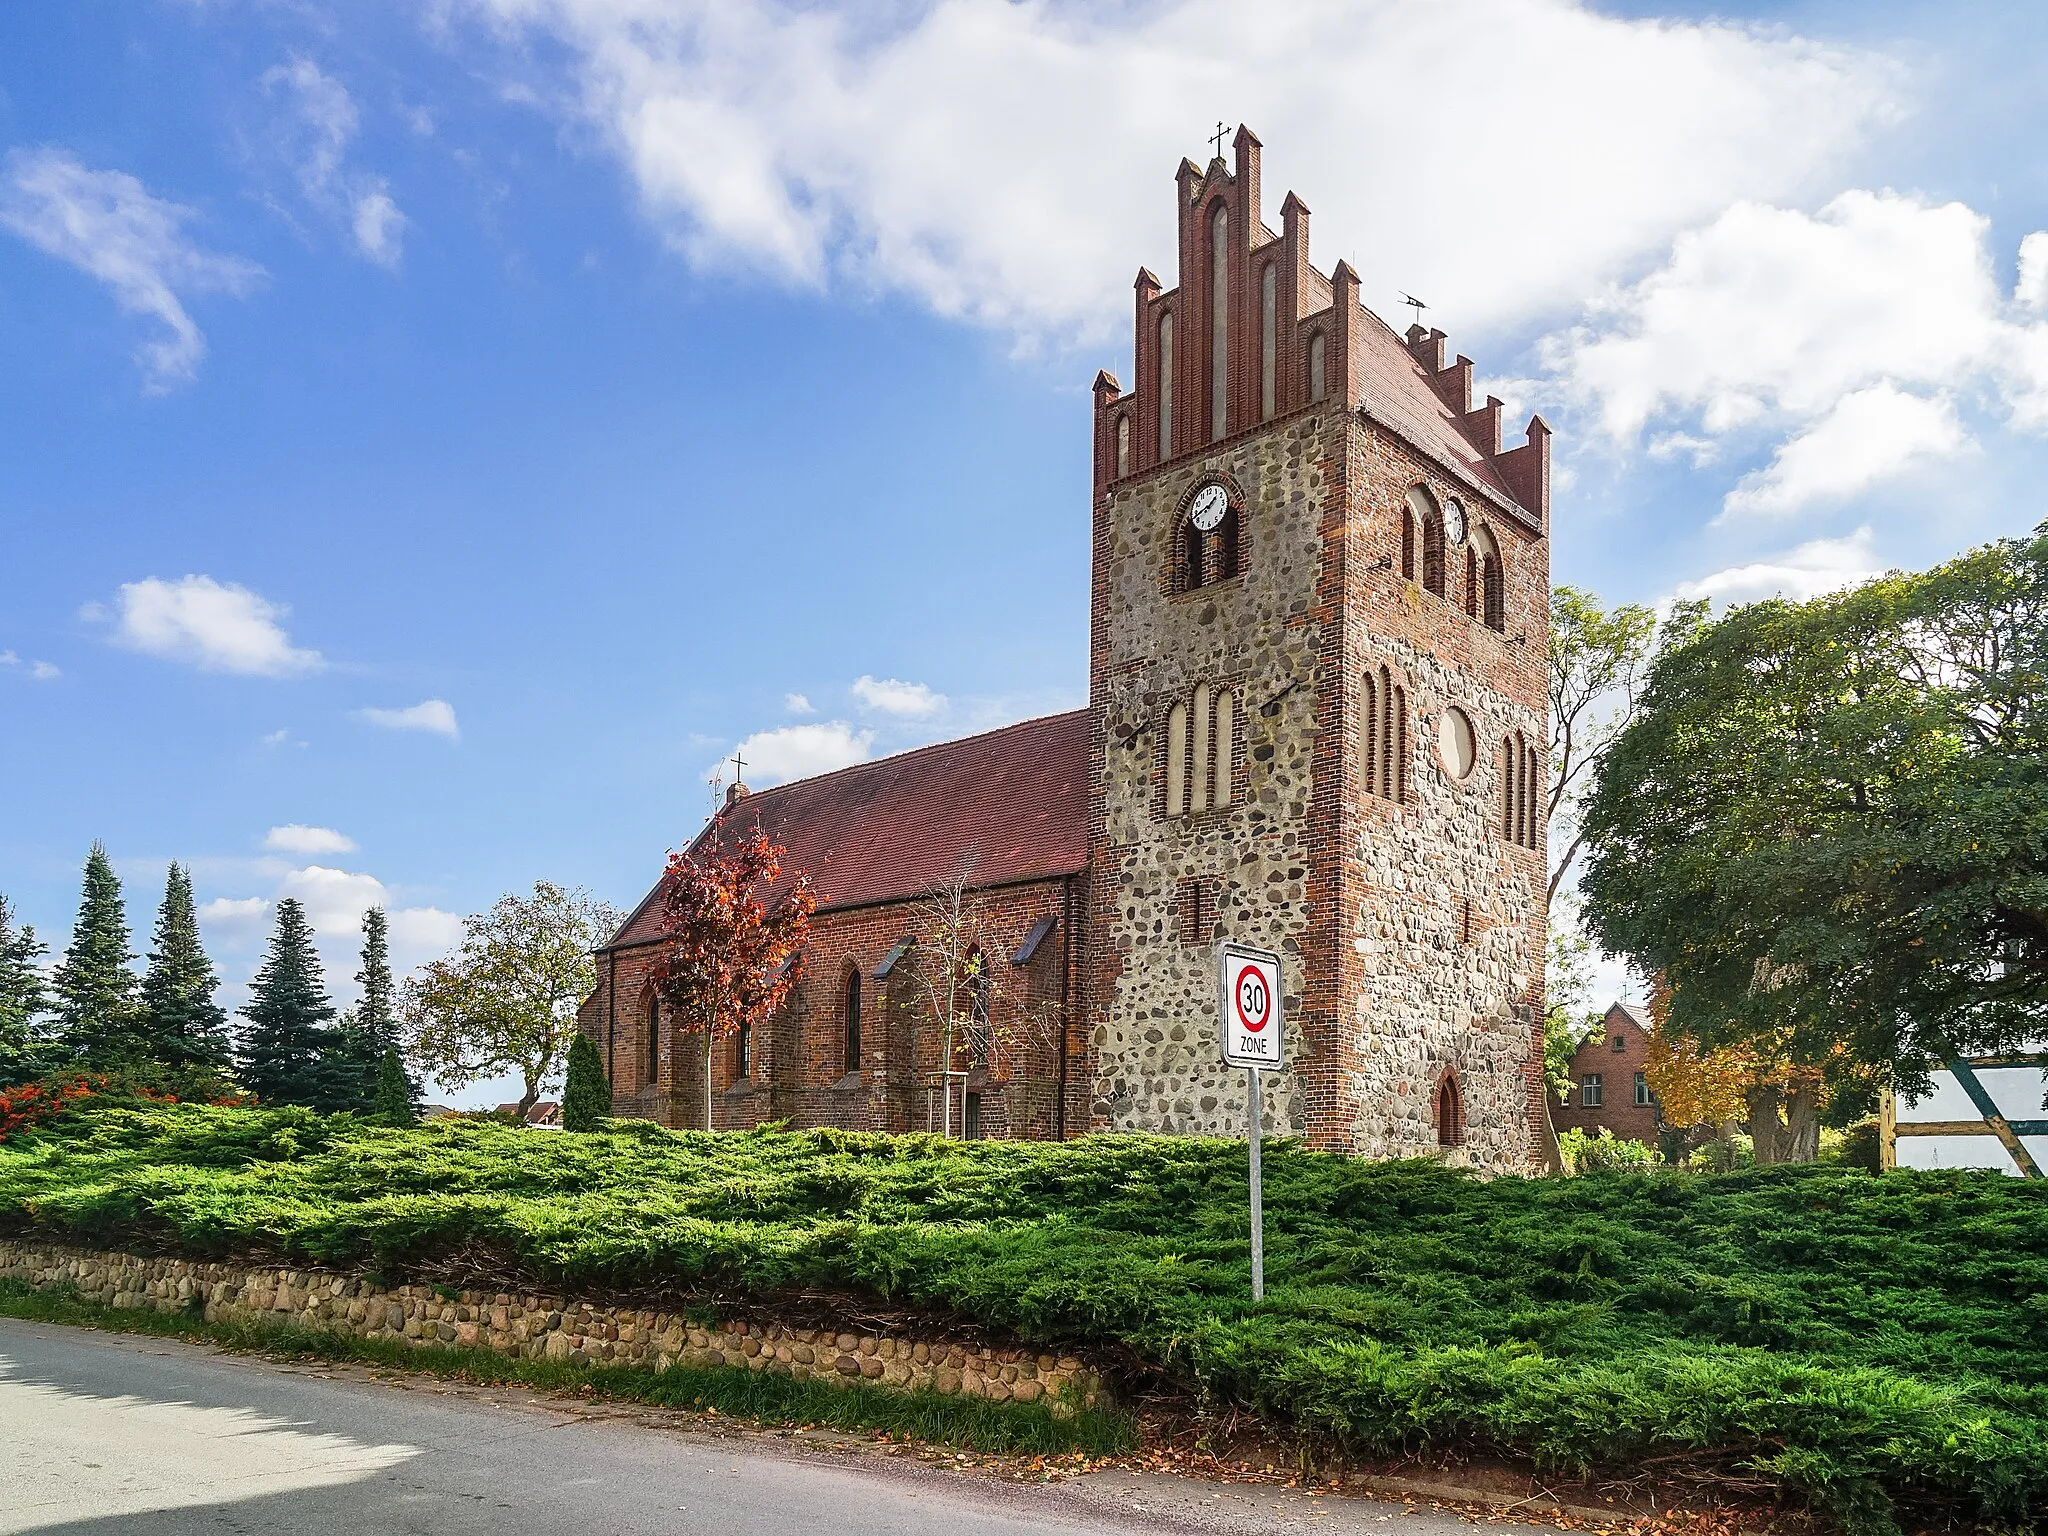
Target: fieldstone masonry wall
[(532, 1326)]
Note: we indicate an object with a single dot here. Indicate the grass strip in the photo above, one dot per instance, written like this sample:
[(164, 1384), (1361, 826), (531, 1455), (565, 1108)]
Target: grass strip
[(1028, 1429)]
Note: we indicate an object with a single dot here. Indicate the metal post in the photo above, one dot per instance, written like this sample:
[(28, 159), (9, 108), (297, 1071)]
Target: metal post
[(1258, 1195)]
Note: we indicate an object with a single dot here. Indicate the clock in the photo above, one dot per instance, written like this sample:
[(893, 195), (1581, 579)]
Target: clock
[(1454, 521), (1210, 504)]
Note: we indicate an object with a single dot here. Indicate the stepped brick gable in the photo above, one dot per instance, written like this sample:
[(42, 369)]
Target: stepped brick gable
[(1316, 722)]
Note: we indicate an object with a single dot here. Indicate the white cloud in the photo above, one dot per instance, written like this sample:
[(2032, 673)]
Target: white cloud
[(956, 152), (297, 838), (280, 737), (235, 922), (1851, 336), (217, 626), (110, 226), (1820, 565), (892, 696), (1870, 435), (797, 704), (798, 751), (41, 671), (436, 715), (313, 135)]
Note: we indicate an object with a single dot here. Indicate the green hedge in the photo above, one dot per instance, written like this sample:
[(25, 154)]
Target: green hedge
[(1870, 1344)]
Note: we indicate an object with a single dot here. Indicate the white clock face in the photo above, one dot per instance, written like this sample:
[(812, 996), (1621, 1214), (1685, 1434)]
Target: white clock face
[(1454, 521), (1211, 502)]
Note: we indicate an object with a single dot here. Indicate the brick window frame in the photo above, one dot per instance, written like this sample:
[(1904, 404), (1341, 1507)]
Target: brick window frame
[(1197, 562)]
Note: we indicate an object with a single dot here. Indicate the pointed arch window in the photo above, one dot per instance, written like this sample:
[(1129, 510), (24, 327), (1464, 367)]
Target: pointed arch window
[(1450, 1112), (1123, 446), (1429, 519), (851, 1019), (1318, 369), (653, 1039), (1200, 557), (1490, 603), (1219, 322), (1471, 582)]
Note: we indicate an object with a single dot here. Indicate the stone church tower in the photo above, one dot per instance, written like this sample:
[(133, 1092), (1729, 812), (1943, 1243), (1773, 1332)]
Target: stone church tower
[(1320, 620)]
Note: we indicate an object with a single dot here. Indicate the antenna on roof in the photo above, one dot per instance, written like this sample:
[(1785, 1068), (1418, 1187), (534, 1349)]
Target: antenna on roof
[(1416, 304)]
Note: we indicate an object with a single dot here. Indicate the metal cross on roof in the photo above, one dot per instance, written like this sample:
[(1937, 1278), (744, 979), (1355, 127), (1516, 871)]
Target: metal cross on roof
[(738, 768), (1216, 138)]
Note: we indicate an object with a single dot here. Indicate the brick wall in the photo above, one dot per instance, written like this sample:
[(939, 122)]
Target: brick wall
[(797, 1062), (1618, 1111)]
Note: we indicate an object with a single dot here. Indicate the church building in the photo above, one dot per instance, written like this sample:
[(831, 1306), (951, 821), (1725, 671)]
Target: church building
[(1316, 724)]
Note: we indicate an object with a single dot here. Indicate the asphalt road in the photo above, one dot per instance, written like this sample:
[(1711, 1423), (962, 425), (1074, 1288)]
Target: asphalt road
[(109, 1433)]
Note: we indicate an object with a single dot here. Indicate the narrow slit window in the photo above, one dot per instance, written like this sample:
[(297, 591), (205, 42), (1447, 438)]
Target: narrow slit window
[(653, 1039), (1318, 376), (853, 1020), (1200, 797), (1123, 446)]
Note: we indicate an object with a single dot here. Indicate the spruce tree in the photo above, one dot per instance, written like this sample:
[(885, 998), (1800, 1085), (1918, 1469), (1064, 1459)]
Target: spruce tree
[(393, 1102), (98, 1019), (288, 1053), (370, 1028), (181, 1023), (588, 1098), (24, 995)]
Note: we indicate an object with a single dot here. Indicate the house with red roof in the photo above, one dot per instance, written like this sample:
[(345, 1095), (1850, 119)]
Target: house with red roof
[(1316, 724)]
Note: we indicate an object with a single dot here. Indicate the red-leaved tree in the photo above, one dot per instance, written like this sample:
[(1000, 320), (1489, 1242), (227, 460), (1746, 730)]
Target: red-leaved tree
[(728, 959)]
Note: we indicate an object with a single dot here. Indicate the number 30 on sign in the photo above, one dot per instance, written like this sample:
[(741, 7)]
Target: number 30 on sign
[(1248, 1006)]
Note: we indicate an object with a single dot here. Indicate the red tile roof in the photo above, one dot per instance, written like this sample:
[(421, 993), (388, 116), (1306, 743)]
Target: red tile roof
[(1004, 806), (1396, 389)]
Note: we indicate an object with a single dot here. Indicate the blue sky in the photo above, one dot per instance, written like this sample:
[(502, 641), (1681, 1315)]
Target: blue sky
[(431, 438)]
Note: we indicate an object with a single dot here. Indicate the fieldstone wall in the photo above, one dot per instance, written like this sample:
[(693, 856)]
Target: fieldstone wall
[(531, 1326), (1256, 636)]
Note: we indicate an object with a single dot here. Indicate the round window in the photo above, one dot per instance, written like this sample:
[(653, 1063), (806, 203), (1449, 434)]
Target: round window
[(1456, 745)]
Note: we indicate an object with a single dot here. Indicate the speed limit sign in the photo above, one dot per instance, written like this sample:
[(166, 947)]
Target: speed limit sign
[(1248, 1006)]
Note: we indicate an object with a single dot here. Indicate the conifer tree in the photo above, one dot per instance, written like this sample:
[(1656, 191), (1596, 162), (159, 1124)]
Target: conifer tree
[(181, 1024), (98, 1019), (393, 1102), (24, 996), (588, 1098), (289, 1051), (370, 1028)]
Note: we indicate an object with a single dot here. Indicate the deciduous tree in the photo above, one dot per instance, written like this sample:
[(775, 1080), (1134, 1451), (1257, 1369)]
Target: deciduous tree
[(732, 938), (1828, 827), (506, 999), (1597, 661)]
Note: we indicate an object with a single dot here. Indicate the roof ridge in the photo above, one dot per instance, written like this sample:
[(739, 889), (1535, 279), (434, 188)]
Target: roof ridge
[(897, 757)]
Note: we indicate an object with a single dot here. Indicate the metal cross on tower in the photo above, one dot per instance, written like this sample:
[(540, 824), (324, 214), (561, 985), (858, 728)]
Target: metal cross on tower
[(1216, 138), (738, 768)]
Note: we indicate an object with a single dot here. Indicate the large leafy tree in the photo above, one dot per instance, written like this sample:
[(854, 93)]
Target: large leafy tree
[(732, 934), (181, 1026), (290, 1052), (98, 1019), (506, 999), (24, 995), (1828, 828), (1598, 658)]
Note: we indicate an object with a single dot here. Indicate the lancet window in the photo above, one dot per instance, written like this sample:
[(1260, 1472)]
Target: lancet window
[(1201, 748), (1383, 735)]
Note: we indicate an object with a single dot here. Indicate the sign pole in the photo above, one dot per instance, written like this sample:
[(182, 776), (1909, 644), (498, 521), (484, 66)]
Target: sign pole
[(1258, 1193), (1249, 1033)]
